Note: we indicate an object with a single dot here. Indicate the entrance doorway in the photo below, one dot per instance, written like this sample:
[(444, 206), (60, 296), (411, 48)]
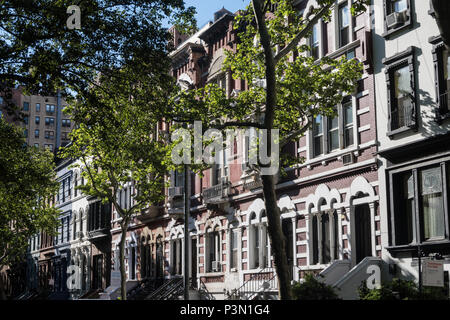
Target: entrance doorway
[(287, 231), (194, 262), (97, 272), (363, 233)]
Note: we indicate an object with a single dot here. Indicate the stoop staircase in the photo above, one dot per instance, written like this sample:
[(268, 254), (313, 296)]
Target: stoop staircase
[(171, 290), (346, 280)]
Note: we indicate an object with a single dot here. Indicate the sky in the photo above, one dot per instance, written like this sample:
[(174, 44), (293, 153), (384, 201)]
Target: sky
[(206, 8)]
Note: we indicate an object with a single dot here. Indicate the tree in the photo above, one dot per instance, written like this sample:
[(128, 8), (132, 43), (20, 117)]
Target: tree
[(296, 89), (117, 141), (400, 289), (39, 51), (110, 65), (313, 289), (27, 182)]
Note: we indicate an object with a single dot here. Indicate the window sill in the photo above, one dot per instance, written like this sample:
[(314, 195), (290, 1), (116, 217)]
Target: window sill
[(342, 50), (392, 133), (211, 274), (426, 246), (330, 156), (387, 34)]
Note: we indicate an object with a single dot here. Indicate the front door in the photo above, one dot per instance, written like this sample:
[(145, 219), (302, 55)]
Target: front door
[(97, 272), (194, 261), (287, 231), (363, 234)]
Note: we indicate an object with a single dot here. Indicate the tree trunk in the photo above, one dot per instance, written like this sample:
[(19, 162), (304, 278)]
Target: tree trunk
[(277, 237), (2, 288), (442, 11), (123, 276)]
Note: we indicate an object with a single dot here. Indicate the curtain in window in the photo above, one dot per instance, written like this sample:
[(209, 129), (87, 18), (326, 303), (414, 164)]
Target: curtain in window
[(432, 203)]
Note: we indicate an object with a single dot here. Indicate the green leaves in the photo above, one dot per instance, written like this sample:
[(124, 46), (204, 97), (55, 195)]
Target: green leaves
[(304, 88), (38, 50), (116, 137), (27, 182)]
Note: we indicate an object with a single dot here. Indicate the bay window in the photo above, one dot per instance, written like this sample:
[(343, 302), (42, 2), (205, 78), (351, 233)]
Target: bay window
[(419, 204)]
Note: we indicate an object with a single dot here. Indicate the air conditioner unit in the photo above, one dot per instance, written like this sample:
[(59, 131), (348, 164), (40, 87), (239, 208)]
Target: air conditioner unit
[(215, 266), (348, 158), (395, 19), (176, 192)]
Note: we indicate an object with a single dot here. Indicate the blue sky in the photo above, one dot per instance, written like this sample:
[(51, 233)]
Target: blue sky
[(206, 8)]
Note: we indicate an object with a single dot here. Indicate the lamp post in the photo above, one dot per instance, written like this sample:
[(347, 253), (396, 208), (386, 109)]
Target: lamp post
[(419, 254), (186, 231)]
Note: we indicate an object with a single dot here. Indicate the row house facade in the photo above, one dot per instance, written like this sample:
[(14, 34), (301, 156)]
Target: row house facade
[(329, 203), (412, 100), (372, 188), (81, 247)]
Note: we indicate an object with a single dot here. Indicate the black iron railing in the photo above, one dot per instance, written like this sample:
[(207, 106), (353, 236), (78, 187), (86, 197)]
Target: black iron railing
[(262, 281)]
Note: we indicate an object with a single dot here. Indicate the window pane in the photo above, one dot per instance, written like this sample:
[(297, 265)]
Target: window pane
[(318, 146), (333, 133), (401, 113), (344, 16), (317, 125), (400, 5), (315, 41), (348, 113), (326, 257), (333, 139), (344, 22), (404, 219), (432, 203)]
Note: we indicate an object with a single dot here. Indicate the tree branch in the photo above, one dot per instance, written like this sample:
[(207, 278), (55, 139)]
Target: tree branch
[(294, 42)]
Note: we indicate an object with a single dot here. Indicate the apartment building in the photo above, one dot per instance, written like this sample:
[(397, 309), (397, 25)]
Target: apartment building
[(44, 122)]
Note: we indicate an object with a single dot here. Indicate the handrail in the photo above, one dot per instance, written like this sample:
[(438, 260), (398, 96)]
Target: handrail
[(161, 289), (252, 286), (205, 290), (178, 286)]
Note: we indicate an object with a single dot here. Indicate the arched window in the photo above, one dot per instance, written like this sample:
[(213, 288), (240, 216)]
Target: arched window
[(143, 261), (315, 240), (325, 237)]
